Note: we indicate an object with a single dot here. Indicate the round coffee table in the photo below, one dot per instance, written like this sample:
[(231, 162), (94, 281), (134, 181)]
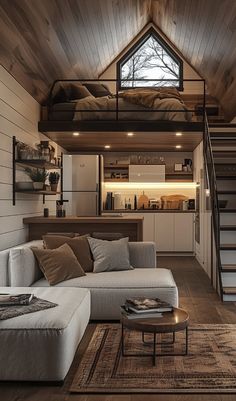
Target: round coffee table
[(169, 322)]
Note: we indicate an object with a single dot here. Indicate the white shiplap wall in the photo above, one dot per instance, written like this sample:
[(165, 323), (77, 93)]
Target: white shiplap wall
[(19, 116)]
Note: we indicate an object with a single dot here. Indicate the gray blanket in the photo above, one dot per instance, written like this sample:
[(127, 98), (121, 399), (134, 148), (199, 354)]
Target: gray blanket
[(37, 304)]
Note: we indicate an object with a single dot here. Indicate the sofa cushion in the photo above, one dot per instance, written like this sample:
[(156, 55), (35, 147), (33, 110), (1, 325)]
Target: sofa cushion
[(58, 264), (23, 267), (109, 290), (110, 255), (41, 346), (136, 278)]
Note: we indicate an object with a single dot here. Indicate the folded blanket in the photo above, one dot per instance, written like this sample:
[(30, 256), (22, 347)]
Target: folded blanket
[(147, 96)]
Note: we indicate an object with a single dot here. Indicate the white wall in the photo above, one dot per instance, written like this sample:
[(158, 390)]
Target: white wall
[(19, 116)]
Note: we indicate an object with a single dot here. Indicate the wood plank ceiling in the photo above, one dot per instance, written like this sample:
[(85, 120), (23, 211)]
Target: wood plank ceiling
[(65, 39), (41, 41), (204, 31)]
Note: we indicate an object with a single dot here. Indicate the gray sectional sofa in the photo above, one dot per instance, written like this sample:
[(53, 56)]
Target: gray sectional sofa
[(53, 335)]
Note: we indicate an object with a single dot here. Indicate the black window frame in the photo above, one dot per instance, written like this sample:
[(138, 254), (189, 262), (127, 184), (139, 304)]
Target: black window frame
[(136, 46)]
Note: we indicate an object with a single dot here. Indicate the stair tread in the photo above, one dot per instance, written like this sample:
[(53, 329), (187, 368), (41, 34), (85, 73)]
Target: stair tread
[(228, 246), (225, 210), (226, 227), (229, 290), (226, 192), (229, 268)]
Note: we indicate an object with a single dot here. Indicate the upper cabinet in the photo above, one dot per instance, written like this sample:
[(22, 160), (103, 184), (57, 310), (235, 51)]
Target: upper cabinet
[(147, 173)]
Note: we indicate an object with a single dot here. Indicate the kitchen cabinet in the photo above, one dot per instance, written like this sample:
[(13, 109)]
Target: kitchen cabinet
[(148, 226), (164, 231), (172, 232), (183, 232), (147, 173)]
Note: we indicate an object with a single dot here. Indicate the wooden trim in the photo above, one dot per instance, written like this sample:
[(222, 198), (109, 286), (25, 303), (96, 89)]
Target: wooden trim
[(138, 126), (136, 46)]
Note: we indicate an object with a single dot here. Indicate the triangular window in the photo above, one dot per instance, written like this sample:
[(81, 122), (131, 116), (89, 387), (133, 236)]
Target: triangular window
[(150, 62)]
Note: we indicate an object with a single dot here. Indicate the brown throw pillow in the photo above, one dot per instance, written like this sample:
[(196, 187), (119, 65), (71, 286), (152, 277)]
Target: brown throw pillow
[(58, 264), (79, 246)]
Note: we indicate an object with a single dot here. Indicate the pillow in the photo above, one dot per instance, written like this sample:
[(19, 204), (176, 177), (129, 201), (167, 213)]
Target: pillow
[(170, 92), (107, 236), (66, 91), (78, 91), (58, 264), (62, 234), (97, 90), (110, 255), (79, 246)]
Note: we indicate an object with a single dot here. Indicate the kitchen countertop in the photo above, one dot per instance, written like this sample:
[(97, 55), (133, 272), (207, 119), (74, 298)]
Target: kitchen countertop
[(82, 219), (129, 226)]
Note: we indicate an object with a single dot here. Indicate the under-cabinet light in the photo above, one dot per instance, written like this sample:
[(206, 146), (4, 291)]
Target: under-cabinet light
[(150, 185)]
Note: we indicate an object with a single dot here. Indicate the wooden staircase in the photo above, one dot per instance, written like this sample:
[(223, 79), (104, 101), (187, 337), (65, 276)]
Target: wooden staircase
[(223, 144)]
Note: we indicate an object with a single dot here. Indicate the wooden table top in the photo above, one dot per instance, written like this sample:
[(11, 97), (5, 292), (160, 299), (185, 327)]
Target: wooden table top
[(82, 219), (167, 323)]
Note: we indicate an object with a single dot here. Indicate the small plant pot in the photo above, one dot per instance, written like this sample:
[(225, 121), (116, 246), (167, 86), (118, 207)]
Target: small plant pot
[(54, 187), (38, 186)]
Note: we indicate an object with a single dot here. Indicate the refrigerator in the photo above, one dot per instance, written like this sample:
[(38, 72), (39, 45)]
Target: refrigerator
[(81, 184)]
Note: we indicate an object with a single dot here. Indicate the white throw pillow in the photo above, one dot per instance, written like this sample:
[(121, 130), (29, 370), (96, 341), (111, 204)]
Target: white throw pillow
[(110, 255)]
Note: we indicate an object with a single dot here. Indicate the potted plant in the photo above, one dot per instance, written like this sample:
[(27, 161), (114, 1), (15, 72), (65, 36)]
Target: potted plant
[(53, 180), (38, 176)]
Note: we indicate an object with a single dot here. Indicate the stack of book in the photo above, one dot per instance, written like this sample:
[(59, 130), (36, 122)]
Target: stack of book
[(15, 299), (145, 307)]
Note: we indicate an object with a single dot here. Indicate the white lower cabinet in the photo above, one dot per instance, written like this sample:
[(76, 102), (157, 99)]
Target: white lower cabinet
[(183, 232), (164, 231), (172, 232), (148, 226)]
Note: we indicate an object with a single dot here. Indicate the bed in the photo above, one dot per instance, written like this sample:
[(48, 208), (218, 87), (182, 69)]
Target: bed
[(93, 101)]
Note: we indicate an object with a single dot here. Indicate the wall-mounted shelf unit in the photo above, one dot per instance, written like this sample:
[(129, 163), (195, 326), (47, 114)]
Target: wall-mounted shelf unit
[(115, 172), (35, 163), (184, 176)]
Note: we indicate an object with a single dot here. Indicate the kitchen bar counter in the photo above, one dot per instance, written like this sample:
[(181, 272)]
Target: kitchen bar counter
[(130, 226)]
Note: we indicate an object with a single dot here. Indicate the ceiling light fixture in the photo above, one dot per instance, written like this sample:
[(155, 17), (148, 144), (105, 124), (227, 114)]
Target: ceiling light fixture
[(178, 134), (178, 146), (107, 146), (75, 133), (130, 134)]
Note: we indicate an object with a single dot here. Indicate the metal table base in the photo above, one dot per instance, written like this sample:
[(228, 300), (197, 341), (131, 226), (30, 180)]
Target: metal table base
[(154, 343)]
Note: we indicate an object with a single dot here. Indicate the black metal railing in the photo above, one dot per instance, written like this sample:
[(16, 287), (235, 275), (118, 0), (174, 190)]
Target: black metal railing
[(212, 186), (117, 110)]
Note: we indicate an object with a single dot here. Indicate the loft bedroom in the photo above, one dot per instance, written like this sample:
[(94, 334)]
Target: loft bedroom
[(147, 94)]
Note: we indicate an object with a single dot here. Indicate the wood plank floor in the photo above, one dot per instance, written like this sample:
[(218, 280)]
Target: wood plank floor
[(196, 295)]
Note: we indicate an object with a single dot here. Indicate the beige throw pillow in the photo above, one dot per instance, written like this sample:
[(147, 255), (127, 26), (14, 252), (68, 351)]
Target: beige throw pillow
[(79, 246), (58, 264)]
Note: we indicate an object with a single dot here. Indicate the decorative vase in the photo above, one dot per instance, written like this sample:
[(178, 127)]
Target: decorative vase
[(38, 186), (54, 187)]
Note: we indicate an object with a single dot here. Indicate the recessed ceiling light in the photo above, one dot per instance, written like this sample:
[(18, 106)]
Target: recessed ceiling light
[(75, 133), (107, 146), (178, 146), (130, 134), (178, 134)]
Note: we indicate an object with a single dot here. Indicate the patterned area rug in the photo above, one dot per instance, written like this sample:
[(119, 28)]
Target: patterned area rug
[(210, 366)]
